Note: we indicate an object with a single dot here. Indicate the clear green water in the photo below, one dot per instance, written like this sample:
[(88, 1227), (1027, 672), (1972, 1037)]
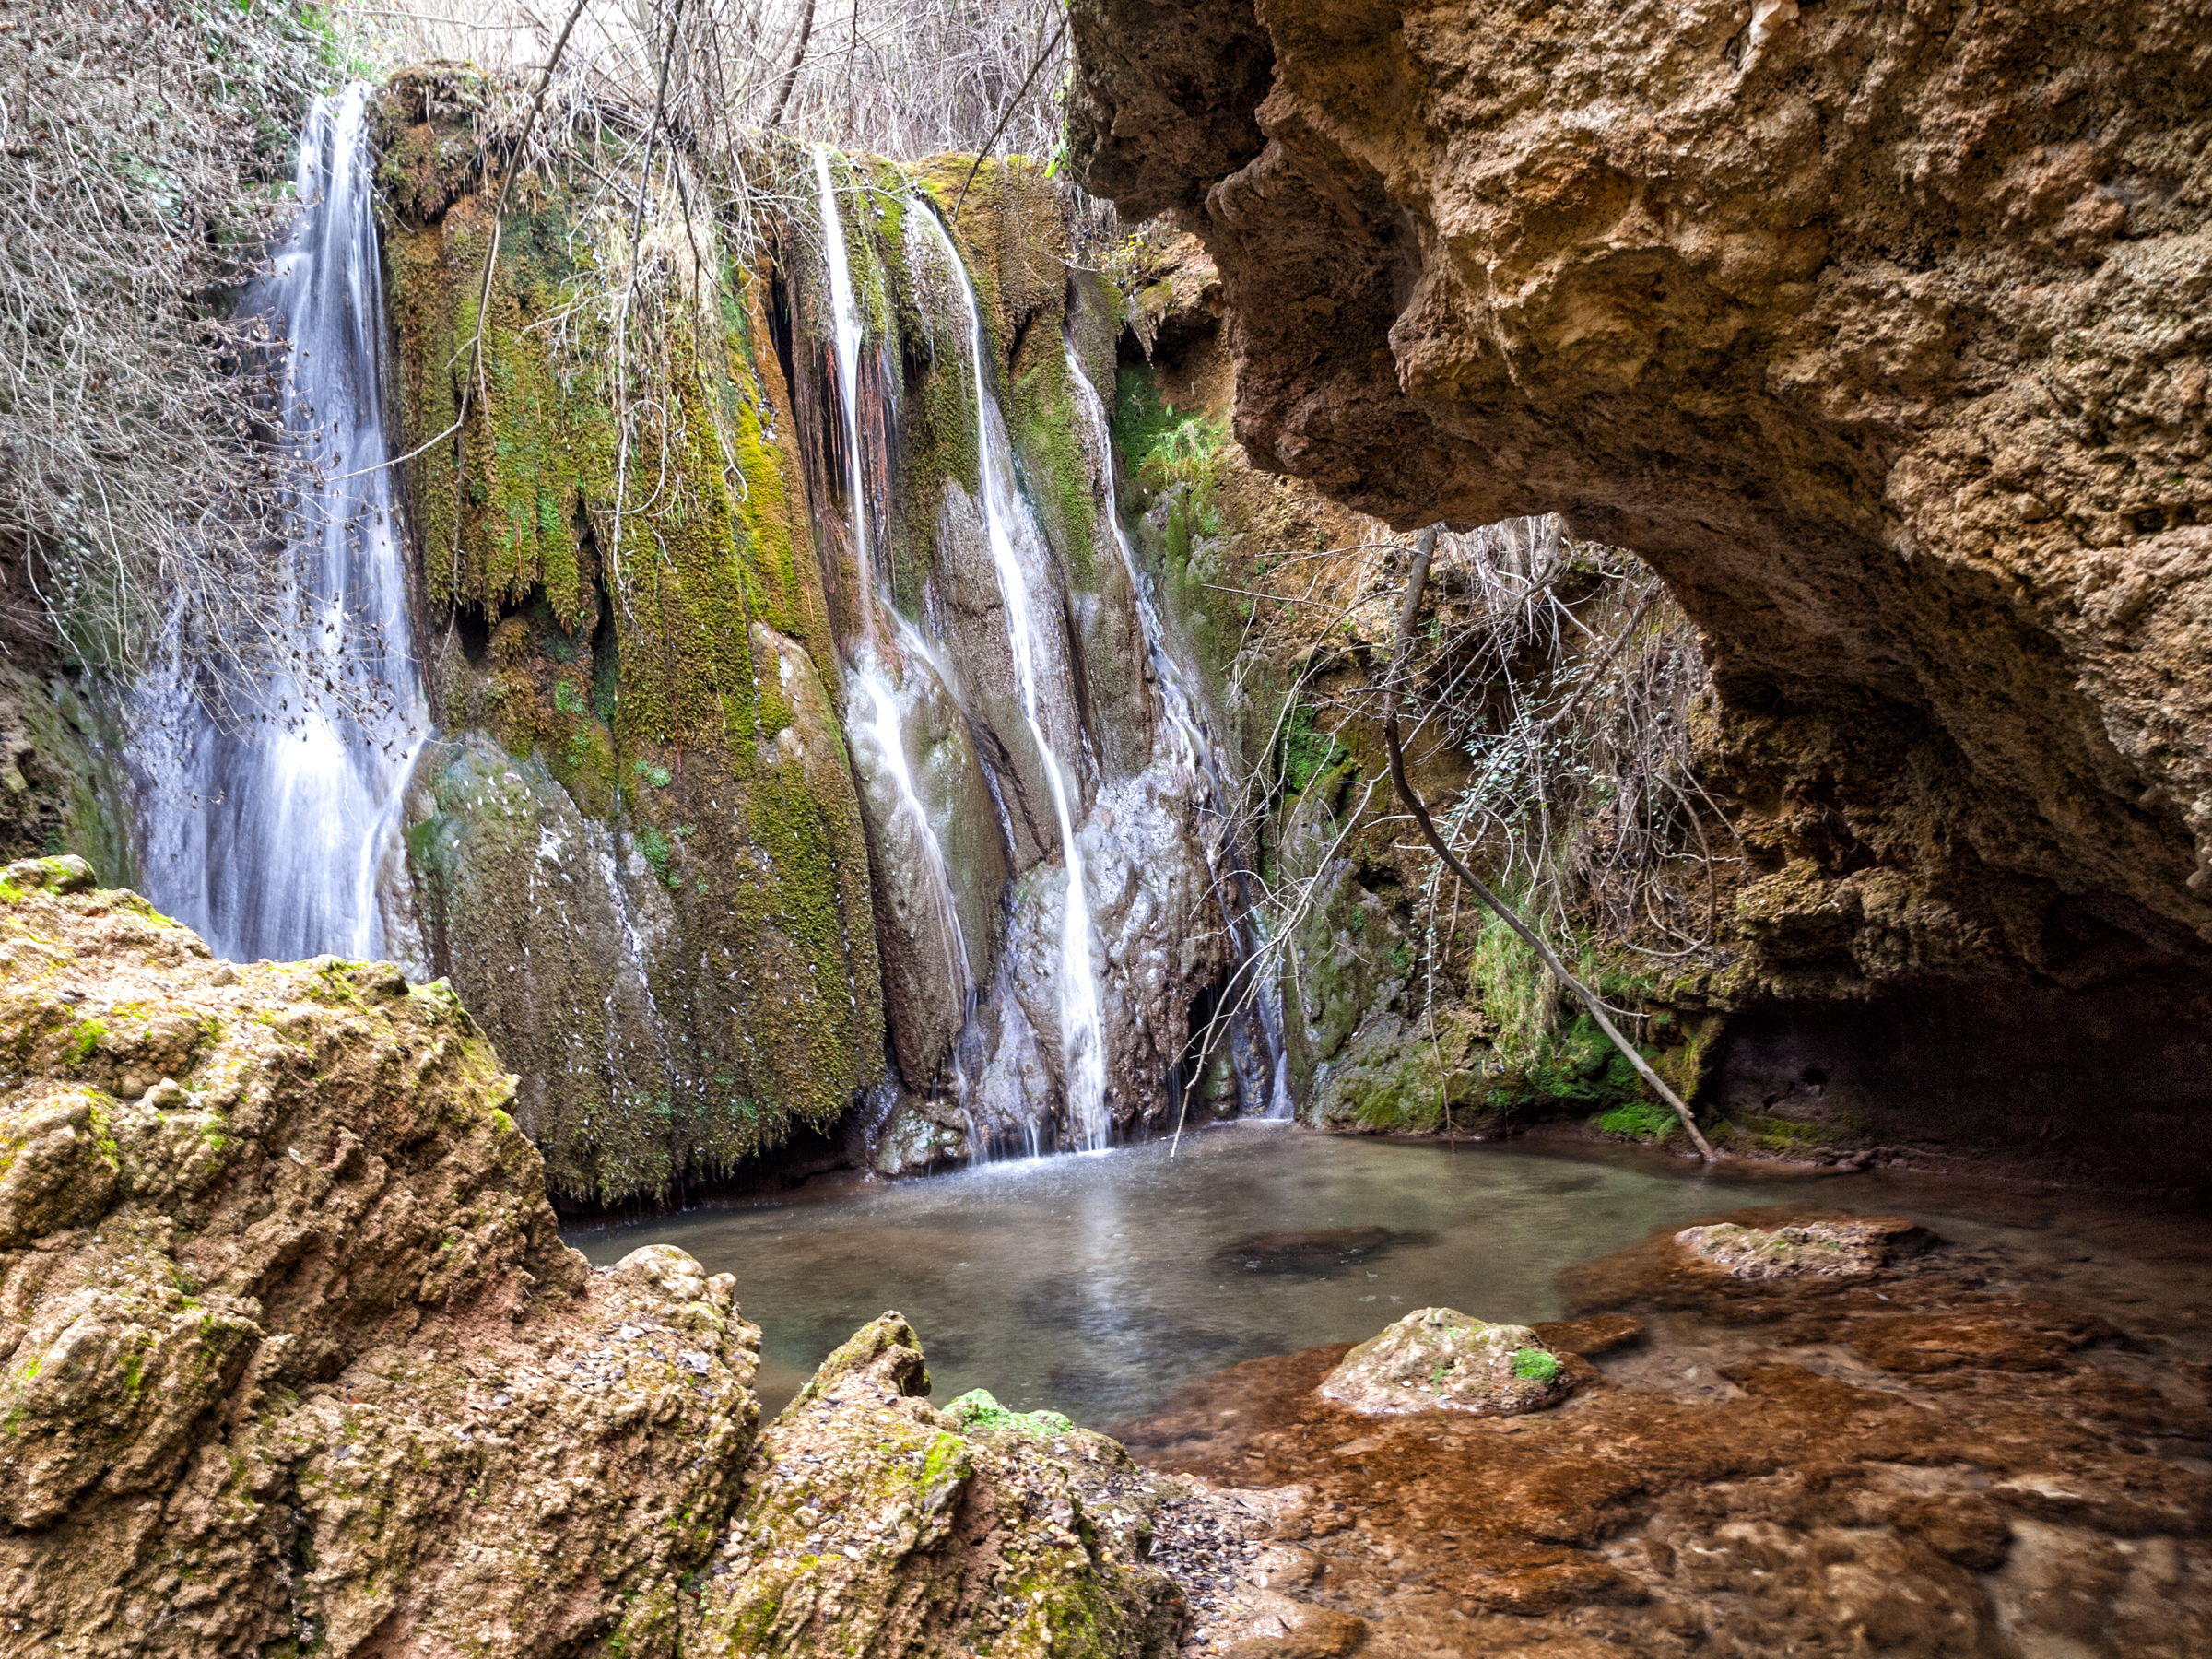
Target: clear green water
[(1093, 1284)]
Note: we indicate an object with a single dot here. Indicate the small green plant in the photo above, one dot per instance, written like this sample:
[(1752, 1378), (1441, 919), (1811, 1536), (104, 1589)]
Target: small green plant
[(1639, 1118), (567, 699), (1534, 1365), (660, 777), (657, 848), (977, 1409)]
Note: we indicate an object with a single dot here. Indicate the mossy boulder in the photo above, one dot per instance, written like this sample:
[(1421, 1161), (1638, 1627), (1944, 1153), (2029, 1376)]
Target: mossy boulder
[(291, 1354), (873, 1523), (1405, 1076), (1440, 1360)]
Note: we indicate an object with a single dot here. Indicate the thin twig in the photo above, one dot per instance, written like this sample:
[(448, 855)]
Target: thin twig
[(1416, 583)]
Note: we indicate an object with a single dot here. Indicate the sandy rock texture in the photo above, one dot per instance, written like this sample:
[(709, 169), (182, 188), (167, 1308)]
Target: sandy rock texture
[(1879, 328), (294, 1357), (875, 1524), (1950, 1458)]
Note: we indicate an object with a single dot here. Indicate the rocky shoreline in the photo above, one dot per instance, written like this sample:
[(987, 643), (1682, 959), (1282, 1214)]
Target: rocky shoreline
[(295, 1362)]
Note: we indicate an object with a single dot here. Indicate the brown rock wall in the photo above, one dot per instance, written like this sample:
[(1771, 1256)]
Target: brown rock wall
[(1879, 328)]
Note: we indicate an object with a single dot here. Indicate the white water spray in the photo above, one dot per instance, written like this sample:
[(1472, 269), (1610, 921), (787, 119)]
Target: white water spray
[(844, 317), (1198, 754), (1007, 516), (879, 719), (874, 706), (269, 840)]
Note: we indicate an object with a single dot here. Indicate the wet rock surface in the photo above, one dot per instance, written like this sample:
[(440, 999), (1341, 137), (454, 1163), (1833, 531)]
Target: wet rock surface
[(1823, 1249), (1440, 1359), (1937, 1455)]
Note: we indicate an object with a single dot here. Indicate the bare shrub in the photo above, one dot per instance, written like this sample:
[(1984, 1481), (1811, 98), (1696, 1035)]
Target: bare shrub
[(137, 143)]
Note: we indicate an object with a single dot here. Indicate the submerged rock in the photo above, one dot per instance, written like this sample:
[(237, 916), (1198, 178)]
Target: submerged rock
[(875, 1524), (1440, 1360), (1819, 1249)]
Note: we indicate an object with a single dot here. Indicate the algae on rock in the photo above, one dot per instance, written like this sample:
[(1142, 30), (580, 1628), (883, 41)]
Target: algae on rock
[(295, 1357), (634, 624)]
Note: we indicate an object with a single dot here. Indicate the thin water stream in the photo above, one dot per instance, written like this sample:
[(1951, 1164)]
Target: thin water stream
[(273, 830), (1007, 519), (1097, 1283)]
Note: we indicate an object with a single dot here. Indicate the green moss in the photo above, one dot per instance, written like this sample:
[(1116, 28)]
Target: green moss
[(978, 1409), (1304, 753), (1534, 1365), (1640, 1120)]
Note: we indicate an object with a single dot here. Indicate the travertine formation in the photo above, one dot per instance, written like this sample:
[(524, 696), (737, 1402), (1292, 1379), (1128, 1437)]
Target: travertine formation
[(293, 1352), (1440, 1359), (1879, 328), (292, 1358), (875, 1524)]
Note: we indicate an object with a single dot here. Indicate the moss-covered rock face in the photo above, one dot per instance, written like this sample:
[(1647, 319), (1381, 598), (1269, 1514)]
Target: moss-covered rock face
[(293, 1359), (654, 891), (62, 785), (876, 1524)]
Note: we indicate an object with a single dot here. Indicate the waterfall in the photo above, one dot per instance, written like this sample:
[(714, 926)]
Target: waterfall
[(268, 833), (1006, 518), (878, 717), (1200, 756), (872, 706), (845, 323)]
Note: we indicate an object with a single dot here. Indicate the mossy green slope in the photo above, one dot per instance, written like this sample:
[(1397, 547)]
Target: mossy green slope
[(641, 626)]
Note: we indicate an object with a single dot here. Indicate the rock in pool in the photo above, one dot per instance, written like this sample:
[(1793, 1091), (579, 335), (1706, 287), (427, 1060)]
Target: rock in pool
[(1440, 1360), (1810, 1249)]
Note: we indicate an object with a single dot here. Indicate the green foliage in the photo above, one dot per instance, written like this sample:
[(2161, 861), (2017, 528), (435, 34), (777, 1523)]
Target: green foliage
[(660, 777), (1640, 1120), (1534, 1365), (978, 1409), (1305, 752)]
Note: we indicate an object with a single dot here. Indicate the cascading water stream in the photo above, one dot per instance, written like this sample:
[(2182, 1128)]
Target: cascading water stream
[(880, 719), (267, 835), (844, 317), (879, 711), (1200, 753), (1006, 515)]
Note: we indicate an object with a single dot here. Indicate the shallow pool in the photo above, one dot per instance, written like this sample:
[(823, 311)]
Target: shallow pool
[(1095, 1283)]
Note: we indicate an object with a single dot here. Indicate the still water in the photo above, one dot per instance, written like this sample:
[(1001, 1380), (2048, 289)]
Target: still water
[(1096, 1283)]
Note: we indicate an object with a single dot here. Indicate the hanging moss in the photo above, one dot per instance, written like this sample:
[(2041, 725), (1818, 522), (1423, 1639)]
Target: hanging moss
[(649, 630)]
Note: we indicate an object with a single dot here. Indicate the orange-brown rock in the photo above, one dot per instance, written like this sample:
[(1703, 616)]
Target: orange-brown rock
[(1769, 1470), (1878, 327)]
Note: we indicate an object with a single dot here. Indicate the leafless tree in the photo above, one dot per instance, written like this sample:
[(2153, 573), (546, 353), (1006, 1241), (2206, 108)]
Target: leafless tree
[(139, 144)]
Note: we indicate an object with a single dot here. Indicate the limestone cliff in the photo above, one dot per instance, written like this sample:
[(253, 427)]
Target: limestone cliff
[(1878, 329), (639, 853)]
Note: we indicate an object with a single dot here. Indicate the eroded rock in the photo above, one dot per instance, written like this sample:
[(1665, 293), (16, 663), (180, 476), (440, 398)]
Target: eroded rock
[(290, 1350), (1820, 1249), (1440, 1360), (875, 1524)]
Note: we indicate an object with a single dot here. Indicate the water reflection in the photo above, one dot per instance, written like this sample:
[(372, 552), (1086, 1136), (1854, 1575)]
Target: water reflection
[(1095, 1284)]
